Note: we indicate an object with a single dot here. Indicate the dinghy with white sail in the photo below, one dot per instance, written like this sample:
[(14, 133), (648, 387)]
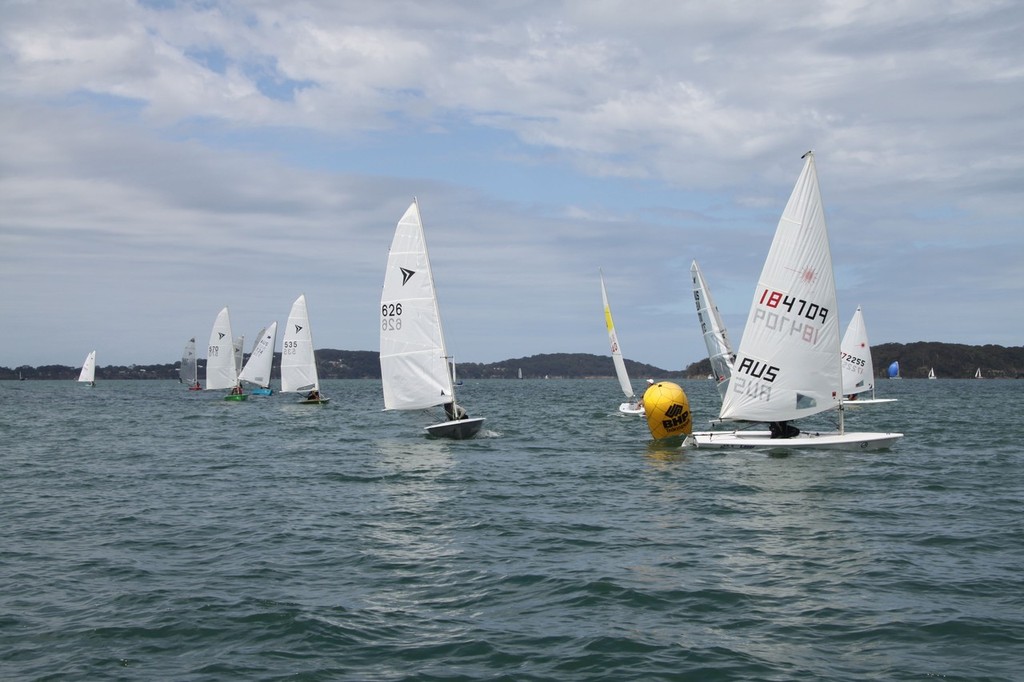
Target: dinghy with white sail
[(633, 404), (188, 373), (88, 374), (298, 359), (413, 358), (720, 352), (858, 369), (221, 370), (257, 367), (931, 372), (788, 365)]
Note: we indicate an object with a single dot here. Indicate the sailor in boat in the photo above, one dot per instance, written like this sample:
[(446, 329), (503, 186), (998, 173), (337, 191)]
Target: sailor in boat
[(313, 395), (783, 430), (455, 412), (236, 390)]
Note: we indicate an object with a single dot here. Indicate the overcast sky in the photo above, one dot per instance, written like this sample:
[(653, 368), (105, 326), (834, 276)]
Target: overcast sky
[(161, 160)]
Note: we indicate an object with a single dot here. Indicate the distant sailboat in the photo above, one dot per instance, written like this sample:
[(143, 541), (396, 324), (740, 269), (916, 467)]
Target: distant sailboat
[(88, 374), (520, 372), (632, 404), (720, 353), (858, 368), (188, 373), (894, 370), (221, 370), (977, 374), (413, 357), (298, 359), (261, 359), (931, 373), (788, 365)]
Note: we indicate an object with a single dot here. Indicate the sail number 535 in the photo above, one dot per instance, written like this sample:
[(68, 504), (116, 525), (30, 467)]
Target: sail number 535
[(391, 314)]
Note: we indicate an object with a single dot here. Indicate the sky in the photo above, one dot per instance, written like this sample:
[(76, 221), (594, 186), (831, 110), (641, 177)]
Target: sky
[(161, 160)]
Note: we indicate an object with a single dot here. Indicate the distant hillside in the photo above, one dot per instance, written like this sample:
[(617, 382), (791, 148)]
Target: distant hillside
[(950, 360)]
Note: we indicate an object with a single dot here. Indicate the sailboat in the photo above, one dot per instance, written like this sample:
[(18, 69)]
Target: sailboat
[(221, 370), (88, 374), (858, 369), (720, 352), (298, 360), (977, 373), (894, 370), (257, 368), (931, 372), (632, 404), (188, 373), (413, 357), (788, 365)]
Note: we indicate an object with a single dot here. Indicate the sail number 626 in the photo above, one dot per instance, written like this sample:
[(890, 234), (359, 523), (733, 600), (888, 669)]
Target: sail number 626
[(392, 316)]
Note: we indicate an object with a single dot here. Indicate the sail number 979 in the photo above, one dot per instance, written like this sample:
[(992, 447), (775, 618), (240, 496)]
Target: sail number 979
[(391, 314)]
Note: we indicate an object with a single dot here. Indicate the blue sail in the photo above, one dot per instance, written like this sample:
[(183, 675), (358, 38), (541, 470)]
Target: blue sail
[(894, 369)]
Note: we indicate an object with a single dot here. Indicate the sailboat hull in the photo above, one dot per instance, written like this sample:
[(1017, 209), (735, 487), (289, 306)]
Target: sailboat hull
[(814, 440), (868, 401), (631, 408), (262, 391), (459, 429), (237, 396), (315, 401)]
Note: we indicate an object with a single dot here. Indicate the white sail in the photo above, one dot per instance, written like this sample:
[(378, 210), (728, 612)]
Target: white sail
[(858, 370), (617, 359), (977, 373), (239, 346), (261, 359), (931, 373), (298, 361), (413, 359), (720, 352), (221, 371), (88, 373), (189, 372), (788, 364)]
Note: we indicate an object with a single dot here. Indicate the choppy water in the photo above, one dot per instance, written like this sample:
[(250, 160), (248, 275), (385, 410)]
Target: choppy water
[(151, 533)]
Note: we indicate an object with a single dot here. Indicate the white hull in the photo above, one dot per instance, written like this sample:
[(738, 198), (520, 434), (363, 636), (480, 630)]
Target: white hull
[(460, 429), (867, 401), (631, 408), (762, 440)]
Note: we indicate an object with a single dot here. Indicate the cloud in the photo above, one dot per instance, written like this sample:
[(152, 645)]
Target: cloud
[(240, 153)]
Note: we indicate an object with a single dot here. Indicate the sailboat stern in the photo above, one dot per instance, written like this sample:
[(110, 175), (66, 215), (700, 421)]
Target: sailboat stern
[(459, 429)]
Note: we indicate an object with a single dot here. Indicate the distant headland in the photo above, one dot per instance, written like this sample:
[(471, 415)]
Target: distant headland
[(949, 360)]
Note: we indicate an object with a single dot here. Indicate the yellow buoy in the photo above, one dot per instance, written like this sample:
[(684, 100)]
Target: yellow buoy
[(668, 410)]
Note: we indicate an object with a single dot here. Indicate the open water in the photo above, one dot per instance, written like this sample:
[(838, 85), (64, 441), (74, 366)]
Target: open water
[(150, 533)]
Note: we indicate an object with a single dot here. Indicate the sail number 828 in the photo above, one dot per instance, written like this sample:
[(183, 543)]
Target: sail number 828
[(391, 314)]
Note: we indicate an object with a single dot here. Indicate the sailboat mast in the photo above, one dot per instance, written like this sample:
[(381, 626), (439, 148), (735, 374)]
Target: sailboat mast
[(446, 358)]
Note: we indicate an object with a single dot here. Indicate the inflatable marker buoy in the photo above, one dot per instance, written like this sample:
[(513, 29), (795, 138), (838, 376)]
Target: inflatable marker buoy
[(668, 410)]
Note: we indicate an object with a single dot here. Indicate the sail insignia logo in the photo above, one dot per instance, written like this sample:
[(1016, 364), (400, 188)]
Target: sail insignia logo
[(406, 275)]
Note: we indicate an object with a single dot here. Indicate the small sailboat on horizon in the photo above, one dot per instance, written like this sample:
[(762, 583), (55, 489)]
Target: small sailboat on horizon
[(858, 368), (221, 363), (298, 359), (88, 374), (257, 368), (894, 370), (188, 372), (977, 373), (414, 367), (720, 352), (931, 372), (633, 404)]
